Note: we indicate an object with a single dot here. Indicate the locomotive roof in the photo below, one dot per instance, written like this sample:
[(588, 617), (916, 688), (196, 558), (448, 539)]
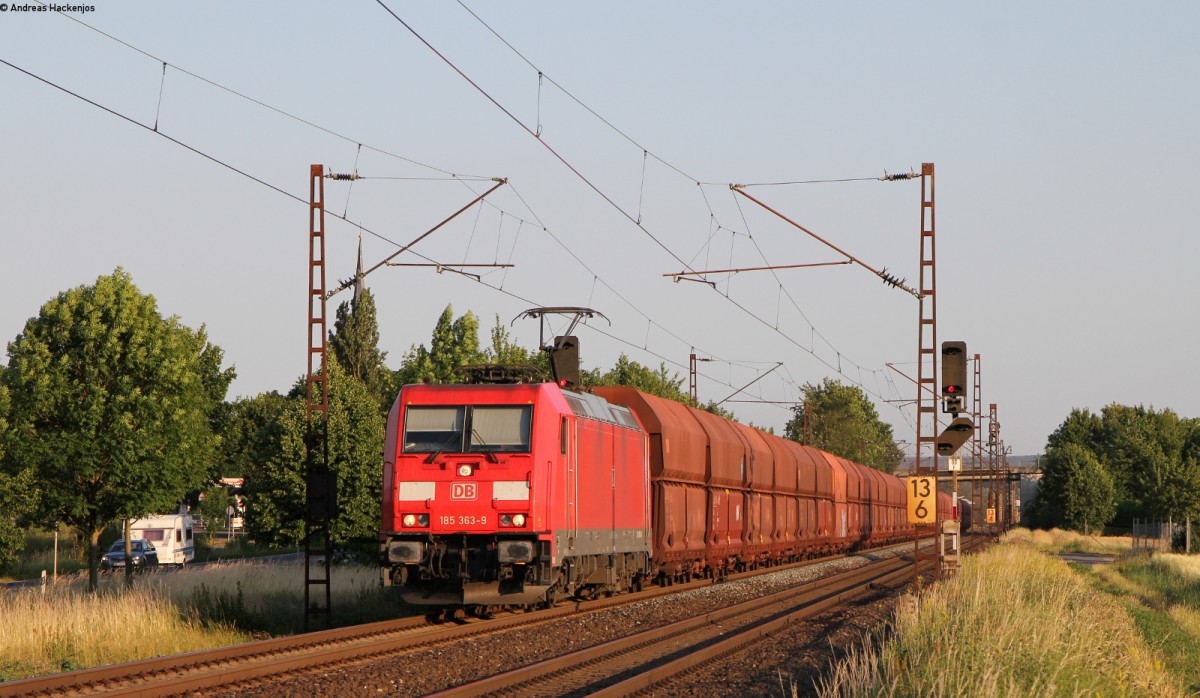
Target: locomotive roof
[(595, 407), (584, 405)]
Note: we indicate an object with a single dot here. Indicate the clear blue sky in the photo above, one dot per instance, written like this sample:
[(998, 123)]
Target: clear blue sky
[(1064, 135)]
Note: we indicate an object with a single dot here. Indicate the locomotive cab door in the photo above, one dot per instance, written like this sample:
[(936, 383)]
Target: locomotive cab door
[(570, 453)]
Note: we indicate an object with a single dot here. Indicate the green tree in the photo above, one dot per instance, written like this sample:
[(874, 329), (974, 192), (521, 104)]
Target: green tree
[(1080, 427), (111, 406), (505, 351), (455, 343), (214, 506), (250, 433), (354, 341), (1076, 491), (1148, 454), (626, 372), (1169, 487), (18, 496), (274, 487), (845, 423)]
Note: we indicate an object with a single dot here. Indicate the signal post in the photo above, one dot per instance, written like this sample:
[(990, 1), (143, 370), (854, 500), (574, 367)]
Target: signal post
[(922, 487), (960, 430)]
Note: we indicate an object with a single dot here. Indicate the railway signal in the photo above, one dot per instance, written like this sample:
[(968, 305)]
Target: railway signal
[(954, 436), (954, 376)]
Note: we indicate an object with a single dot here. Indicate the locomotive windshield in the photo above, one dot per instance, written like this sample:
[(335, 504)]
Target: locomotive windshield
[(468, 429)]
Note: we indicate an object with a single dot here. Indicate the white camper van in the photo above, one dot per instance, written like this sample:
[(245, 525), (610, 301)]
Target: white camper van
[(171, 535)]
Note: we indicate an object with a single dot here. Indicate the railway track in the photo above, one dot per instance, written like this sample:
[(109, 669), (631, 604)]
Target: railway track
[(269, 660), (628, 665)]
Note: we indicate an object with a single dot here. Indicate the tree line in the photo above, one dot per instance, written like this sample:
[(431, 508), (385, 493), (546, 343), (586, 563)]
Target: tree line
[(110, 412), (1123, 463)]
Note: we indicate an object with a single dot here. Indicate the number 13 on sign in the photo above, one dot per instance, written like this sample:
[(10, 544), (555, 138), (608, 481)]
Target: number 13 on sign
[(922, 500)]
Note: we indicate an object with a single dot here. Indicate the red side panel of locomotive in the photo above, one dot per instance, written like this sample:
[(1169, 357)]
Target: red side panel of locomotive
[(678, 473)]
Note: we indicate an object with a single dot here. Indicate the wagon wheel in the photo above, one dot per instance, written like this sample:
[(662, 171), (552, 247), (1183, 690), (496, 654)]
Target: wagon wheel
[(551, 597)]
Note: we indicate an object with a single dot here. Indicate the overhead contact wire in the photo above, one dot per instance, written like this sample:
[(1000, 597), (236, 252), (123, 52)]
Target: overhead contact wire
[(305, 202), (260, 103), (646, 152), (566, 163)]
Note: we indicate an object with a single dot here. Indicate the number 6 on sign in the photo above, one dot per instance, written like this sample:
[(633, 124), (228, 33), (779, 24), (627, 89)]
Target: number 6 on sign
[(922, 500)]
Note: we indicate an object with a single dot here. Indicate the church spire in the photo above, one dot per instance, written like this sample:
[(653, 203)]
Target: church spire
[(358, 272)]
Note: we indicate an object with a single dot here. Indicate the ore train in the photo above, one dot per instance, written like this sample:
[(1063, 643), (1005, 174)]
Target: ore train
[(522, 494)]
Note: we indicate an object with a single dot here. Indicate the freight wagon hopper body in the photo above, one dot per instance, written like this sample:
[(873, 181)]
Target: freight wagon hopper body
[(765, 499)]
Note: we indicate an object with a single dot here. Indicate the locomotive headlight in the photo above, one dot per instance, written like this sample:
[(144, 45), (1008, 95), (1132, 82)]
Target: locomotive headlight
[(517, 520), (410, 520), (423, 520), (465, 470)]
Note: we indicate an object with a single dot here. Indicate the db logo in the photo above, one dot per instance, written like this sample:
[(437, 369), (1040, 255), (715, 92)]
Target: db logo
[(463, 490)]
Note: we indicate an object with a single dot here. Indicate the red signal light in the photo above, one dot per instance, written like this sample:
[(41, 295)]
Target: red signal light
[(951, 388), (562, 383)]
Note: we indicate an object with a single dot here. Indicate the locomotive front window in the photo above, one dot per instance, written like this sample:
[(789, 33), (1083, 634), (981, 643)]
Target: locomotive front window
[(428, 429), (500, 428)]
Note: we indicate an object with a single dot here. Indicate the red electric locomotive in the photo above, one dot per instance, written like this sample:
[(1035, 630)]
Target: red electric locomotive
[(512, 494), (522, 493)]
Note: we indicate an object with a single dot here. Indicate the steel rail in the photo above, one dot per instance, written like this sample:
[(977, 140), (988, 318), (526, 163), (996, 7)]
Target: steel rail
[(582, 670), (164, 676), (206, 669), (665, 672)]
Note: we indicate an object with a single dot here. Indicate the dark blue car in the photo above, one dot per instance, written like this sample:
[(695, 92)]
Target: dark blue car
[(143, 552)]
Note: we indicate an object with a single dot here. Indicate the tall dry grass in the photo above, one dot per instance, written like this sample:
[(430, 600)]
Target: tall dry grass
[(1060, 541), (67, 629), (169, 612), (1012, 623), (1162, 592), (1187, 568)]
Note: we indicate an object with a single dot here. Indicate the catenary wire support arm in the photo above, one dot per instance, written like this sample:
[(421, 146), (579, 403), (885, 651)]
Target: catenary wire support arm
[(452, 268), (889, 279), (927, 389), (682, 275), (499, 182), (762, 376)]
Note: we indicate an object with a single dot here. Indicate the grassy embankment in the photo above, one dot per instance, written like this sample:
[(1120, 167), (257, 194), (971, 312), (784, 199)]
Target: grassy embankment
[(169, 612), (1016, 622), (38, 554)]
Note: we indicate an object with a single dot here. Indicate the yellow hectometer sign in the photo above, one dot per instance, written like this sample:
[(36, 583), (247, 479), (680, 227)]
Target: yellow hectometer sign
[(922, 500)]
